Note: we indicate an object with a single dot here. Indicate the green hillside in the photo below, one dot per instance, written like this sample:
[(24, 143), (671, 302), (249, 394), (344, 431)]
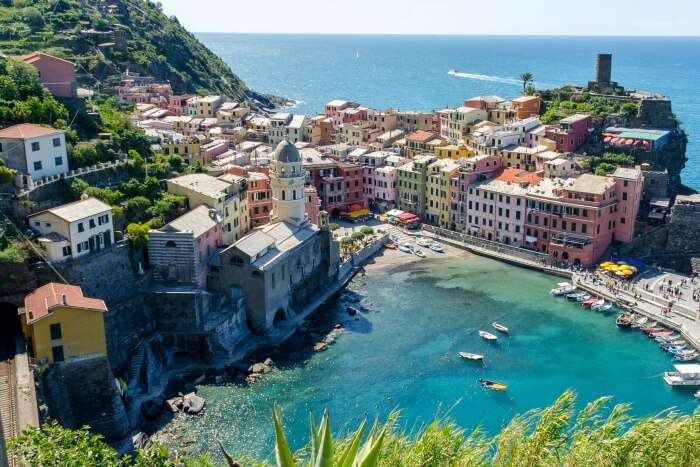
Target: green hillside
[(106, 38)]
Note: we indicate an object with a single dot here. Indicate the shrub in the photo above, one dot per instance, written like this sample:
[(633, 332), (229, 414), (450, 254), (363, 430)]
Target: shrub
[(138, 235), (6, 174), (367, 230), (357, 236), (14, 252), (333, 227)]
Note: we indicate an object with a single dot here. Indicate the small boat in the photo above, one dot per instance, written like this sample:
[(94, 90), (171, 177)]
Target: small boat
[(493, 385), (575, 296), (650, 325), (640, 322), (669, 338), (393, 238), (470, 356), (660, 332), (562, 288), (583, 298), (488, 336), (685, 375), (406, 248), (675, 349), (624, 320), (697, 394), (683, 352), (589, 302), (597, 304), (418, 252), (686, 357), (500, 327), (390, 246), (424, 242), (654, 329), (436, 247), (605, 307)]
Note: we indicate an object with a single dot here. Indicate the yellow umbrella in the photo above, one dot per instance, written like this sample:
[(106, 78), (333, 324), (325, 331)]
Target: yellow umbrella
[(621, 263), (628, 273)]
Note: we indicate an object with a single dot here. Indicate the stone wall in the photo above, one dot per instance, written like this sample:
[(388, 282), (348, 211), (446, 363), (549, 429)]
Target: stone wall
[(82, 392), (126, 324)]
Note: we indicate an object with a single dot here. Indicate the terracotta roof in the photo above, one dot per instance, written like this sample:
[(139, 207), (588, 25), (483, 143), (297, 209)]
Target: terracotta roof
[(27, 130), (39, 303), (34, 56), (421, 135), (511, 175)]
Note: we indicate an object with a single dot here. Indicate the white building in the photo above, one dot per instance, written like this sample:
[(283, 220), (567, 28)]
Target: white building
[(74, 229), (34, 152)]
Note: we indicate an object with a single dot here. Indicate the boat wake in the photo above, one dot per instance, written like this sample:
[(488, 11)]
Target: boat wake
[(480, 77), (494, 79)]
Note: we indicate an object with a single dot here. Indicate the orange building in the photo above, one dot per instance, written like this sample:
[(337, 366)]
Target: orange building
[(526, 106)]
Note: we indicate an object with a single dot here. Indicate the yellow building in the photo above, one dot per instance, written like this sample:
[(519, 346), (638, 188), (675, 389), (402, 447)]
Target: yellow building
[(437, 191), (452, 151), (60, 323), (189, 148)]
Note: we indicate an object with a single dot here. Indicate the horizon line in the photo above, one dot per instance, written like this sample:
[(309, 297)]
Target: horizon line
[(631, 36)]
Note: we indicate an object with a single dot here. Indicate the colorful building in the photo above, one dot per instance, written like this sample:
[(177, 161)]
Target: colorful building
[(259, 198), (473, 169), (526, 106), (437, 191), (56, 74), (179, 251), (60, 323), (411, 180), (570, 133)]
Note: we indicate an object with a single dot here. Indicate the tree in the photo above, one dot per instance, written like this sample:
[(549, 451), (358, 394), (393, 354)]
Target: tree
[(367, 230), (526, 78), (138, 235), (6, 175), (604, 168), (137, 208)]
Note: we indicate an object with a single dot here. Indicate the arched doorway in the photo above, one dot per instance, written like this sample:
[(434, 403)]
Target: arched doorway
[(280, 315), (565, 255)]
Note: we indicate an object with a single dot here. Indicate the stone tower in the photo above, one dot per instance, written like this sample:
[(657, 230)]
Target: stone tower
[(287, 182), (603, 69)]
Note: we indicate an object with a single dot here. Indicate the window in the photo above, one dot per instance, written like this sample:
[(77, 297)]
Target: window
[(37, 165), (57, 142), (55, 330), (81, 227), (624, 196), (622, 220), (66, 251), (35, 146), (92, 223), (58, 161), (57, 353), (584, 228)]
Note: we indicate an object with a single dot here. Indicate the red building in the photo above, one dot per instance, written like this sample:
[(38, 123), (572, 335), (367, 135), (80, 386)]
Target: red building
[(56, 74), (570, 133)]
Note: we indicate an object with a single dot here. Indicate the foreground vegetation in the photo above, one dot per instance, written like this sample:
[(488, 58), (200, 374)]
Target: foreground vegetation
[(597, 435)]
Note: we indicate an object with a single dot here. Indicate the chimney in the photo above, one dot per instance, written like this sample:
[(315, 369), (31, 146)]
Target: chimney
[(64, 299)]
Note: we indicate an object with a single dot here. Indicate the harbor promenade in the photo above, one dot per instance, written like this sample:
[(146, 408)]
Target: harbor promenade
[(630, 296)]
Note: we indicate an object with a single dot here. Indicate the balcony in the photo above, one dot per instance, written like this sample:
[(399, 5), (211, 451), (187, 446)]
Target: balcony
[(569, 240)]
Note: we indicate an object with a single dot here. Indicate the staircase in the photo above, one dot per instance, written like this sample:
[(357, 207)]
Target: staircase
[(138, 360)]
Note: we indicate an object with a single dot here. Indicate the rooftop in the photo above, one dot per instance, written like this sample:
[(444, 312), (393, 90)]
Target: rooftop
[(589, 183), (197, 221), (27, 130), (41, 301), (627, 173), (78, 210), (203, 184), (267, 244), (421, 136)]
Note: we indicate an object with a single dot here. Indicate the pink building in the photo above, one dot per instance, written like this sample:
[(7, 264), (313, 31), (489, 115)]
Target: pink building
[(478, 167), (379, 178), (179, 251), (496, 207), (575, 220), (570, 133), (177, 105), (56, 74), (334, 107), (312, 206), (259, 198), (212, 149)]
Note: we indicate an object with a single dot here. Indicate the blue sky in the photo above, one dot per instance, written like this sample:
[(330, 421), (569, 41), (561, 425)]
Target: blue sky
[(498, 17)]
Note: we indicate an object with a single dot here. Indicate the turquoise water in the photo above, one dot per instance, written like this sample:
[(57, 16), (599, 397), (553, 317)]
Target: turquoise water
[(403, 354), (410, 72)]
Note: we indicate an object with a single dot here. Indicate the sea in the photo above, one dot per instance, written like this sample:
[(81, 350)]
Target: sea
[(402, 354), (412, 72)]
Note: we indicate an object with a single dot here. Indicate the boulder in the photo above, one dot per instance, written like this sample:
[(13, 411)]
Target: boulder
[(192, 404), (320, 346), (175, 404)]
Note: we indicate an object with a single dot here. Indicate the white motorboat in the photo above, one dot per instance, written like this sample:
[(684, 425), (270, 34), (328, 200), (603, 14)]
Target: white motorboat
[(597, 304), (562, 288), (424, 242), (500, 327), (686, 374), (418, 252), (406, 248), (436, 247), (470, 356), (488, 336)]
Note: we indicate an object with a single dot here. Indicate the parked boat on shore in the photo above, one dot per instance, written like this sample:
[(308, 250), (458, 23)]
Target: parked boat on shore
[(424, 242), (488, 336), (493, 385), (500, 327), (588, 303), (406, 248), (640, 322), (470, 356), (418, 252), (436, 247), (575, 296)]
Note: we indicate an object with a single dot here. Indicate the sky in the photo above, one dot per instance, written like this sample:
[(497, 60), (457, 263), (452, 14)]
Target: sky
[(483, 17)]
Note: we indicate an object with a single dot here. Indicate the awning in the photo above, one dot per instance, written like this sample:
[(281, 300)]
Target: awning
[(530, 239), (394, 213), (358, 213)]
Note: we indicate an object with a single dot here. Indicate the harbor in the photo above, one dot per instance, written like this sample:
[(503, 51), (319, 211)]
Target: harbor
[(414, 317)]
